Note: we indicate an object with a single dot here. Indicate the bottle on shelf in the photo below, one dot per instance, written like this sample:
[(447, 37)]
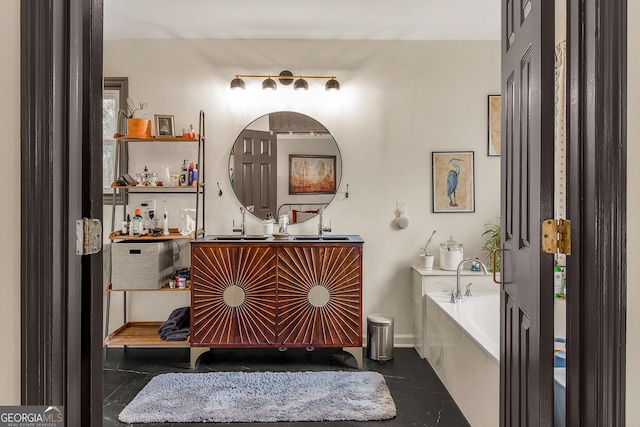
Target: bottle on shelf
[(557, 280), (193, 175), (165, 231), (184, 174), (137, 223)]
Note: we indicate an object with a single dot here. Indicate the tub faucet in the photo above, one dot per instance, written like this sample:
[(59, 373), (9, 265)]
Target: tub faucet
[(468, 291), (484, 267), (321, 227)]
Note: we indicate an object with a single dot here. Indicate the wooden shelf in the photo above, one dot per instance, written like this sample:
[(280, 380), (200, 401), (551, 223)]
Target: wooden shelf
[(155, 138), (173, 235), (140, 333), (160, 188), (163, 289)]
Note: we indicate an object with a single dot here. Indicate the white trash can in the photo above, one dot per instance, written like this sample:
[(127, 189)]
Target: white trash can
[(379, 337)]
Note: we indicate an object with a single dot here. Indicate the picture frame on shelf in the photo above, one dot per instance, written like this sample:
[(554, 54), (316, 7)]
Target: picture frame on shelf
[(453, 181), (494, 127), (312, 174), (165, 125)]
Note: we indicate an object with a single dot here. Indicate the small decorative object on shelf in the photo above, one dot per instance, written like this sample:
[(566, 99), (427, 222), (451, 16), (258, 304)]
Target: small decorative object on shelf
[(137, 125), (426, 259)]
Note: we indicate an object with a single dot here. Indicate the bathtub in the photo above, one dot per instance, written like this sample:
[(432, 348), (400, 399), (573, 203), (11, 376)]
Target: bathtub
[(462, 344), (478, 316)]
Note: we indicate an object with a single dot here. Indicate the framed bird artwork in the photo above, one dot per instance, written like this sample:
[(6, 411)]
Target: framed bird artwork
[(453, 181), (494, 125)]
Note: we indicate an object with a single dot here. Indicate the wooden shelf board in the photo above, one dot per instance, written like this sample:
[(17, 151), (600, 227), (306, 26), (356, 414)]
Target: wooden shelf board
[(140, 333), (162, 289), (173, 235), (155, 138), (160, 188)]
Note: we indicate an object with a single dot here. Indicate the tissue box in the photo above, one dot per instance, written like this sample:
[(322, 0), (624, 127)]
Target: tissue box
[(141, 265)]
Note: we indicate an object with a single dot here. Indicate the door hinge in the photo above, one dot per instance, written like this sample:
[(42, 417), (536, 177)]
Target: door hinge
[(88, 236), (556, 236)]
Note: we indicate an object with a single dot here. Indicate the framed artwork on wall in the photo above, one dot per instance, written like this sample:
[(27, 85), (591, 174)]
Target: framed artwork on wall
[(312, 174), (494, 125), (165, 125), (453, 181)]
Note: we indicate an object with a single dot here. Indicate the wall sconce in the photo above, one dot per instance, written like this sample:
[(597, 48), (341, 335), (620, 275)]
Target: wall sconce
[(285, 78)]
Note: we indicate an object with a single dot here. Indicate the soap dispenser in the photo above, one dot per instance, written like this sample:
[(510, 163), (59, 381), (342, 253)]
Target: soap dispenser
[(283, 223), (267, 225)]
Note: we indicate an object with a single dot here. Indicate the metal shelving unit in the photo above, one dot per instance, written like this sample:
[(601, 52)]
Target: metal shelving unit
[(145, 333)]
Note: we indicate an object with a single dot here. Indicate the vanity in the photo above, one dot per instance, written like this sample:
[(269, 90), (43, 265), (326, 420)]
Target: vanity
[(257, 292), (260, 291)]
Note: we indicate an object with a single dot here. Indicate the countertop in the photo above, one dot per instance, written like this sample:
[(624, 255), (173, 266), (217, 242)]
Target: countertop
[(288, 239)]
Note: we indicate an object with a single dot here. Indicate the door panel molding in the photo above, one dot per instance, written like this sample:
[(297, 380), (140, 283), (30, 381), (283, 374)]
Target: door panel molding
[(597, 190), (526, 381)]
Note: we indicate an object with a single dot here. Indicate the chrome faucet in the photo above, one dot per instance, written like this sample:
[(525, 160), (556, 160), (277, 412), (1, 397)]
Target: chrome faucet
[(243, 227), (321, 227), (484, 267)]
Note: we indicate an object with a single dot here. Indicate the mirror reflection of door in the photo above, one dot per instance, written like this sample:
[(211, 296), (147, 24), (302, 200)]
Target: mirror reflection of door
[(254, 171), (260, 169)]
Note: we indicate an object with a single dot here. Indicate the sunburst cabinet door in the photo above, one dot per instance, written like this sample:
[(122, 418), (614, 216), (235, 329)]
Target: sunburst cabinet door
[(234, 295), (319, 295)]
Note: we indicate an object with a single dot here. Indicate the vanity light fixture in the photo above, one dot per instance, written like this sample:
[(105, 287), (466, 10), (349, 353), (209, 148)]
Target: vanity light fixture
[(301, 84), (285, 78), (332, 84), (269, 83), (237, 83)]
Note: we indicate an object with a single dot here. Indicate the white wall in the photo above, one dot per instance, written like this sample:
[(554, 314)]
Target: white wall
[(10, 196), (399, 101), (633, 207)]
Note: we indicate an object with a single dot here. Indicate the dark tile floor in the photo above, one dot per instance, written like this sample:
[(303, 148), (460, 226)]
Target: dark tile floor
[(420, 397)]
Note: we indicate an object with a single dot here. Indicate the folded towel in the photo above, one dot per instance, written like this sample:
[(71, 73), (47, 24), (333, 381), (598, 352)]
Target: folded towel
[(178, 321), (177, 335)]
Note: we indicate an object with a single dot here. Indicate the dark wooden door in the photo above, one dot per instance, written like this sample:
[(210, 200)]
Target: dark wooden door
[(255, 155), (526, 353), (61, 153)]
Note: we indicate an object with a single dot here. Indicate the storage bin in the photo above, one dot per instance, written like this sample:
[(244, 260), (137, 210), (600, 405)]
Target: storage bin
[(141, 265), (379, 337)]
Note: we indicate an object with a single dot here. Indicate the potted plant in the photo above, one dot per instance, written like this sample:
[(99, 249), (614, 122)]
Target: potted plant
[(426, 259), (137, 124), (492, 234)]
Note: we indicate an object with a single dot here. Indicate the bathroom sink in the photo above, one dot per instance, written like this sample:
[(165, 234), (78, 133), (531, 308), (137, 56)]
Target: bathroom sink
[(324, 238), (236, 237)]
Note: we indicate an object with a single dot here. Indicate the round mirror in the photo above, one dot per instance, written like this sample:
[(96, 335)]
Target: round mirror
[(285, 163)]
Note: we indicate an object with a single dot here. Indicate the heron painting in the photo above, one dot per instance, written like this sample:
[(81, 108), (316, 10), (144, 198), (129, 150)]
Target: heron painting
[(453, 181)]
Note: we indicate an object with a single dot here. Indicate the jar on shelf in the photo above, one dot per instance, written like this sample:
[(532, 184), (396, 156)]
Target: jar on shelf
[(451, 254)]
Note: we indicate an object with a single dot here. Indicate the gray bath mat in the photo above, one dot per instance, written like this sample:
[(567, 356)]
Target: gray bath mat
[(262, 397)]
